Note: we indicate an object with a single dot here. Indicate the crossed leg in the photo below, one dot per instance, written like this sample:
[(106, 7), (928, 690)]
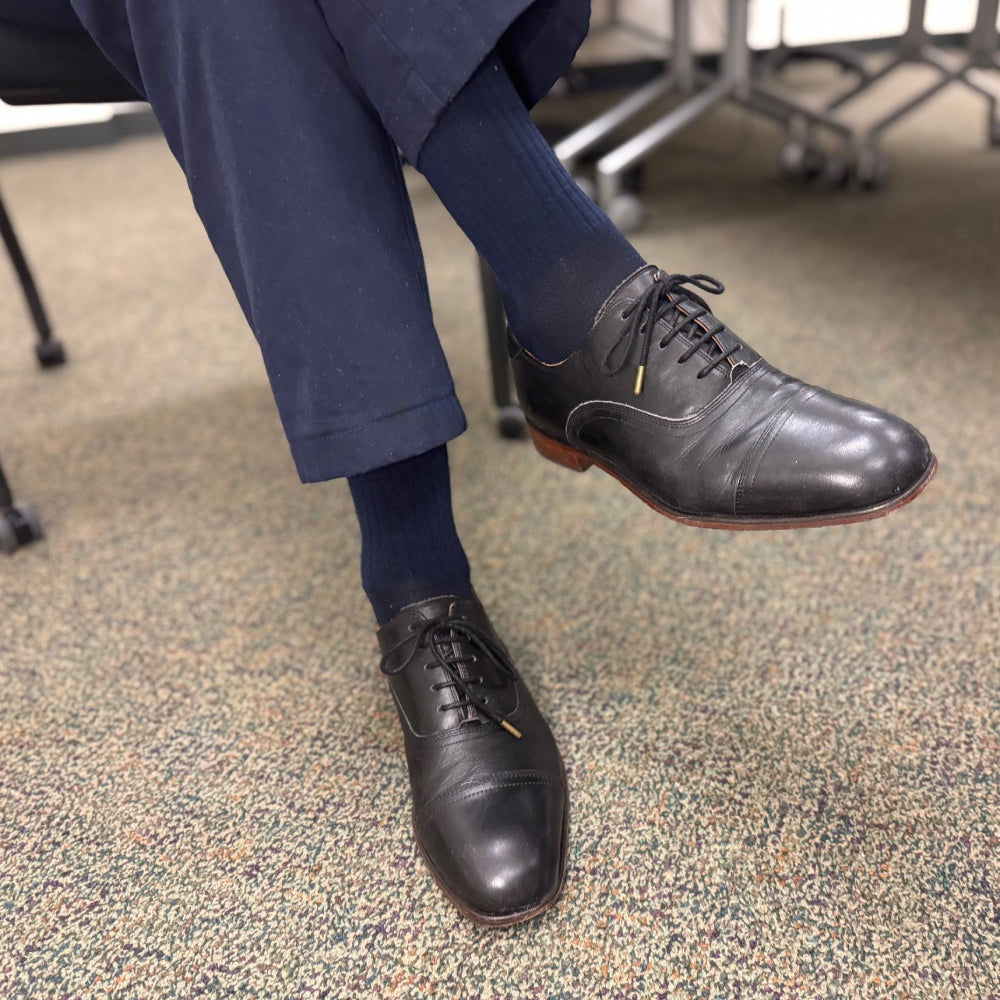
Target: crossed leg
[(288, 139)]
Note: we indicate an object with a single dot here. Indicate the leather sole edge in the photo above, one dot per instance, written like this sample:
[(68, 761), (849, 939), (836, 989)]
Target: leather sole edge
[(569, 457)]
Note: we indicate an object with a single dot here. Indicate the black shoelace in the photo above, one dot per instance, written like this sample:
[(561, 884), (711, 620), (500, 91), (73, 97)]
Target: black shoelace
[(442, 637), (666, 297)]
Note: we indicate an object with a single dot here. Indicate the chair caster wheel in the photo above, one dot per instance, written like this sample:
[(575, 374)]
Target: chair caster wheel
[(18, 527), (836, 170), (50, 353), (512, 424), (801, 161), (626, 212), (872, 169)]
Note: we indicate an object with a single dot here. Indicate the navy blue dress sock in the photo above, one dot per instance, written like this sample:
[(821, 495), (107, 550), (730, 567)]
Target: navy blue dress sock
[(410, 549), (555, 254)]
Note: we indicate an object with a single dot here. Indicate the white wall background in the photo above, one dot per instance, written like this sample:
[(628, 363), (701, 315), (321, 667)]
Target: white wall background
[(806, 21)]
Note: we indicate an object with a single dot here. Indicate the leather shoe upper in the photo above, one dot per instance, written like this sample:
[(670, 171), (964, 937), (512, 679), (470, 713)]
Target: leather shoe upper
[(665, 397), (489, 790)]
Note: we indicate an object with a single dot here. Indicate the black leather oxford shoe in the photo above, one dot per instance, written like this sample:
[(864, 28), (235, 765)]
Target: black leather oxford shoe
[(490, 810), (664, 397)]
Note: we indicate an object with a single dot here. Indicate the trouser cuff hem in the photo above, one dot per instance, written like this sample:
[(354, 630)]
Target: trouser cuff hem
[(340, 453)]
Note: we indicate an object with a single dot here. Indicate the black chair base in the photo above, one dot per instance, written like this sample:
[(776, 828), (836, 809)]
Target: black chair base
[(45, 67), (49, 351), (18, 524), (510, 423)]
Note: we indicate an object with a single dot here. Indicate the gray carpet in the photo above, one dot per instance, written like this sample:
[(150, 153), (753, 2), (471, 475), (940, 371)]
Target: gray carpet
[(783, 748)]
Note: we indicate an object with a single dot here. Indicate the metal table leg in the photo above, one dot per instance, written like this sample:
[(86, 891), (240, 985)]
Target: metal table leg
[(983, 40), (735, 82), (679, 76), (916, 47)]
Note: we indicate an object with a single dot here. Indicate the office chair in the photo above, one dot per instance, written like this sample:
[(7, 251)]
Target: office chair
[(42, 67), (18, 523)]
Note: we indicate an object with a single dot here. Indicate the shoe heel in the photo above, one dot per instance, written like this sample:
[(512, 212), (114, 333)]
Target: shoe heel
[(556, 451)]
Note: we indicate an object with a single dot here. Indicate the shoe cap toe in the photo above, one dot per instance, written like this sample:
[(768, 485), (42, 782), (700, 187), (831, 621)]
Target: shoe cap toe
[(498, 849), (836, 455)]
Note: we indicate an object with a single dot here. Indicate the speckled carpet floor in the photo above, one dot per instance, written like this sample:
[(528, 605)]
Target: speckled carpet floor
[(783, 748)]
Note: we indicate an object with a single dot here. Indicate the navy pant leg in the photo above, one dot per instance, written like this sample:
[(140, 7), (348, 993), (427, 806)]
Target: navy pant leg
[(300, 189), (412, 57)]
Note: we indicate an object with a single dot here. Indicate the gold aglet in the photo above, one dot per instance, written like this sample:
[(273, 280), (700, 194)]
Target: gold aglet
[(640, 377), (516, 733)]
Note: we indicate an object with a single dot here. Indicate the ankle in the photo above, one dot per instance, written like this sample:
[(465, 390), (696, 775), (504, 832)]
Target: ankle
[(555, 254), (410, 549), (551, 314)]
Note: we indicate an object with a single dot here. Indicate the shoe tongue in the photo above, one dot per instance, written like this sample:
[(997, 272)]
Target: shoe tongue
[(629, 290), (723, 339), (445, 606), (638, 283)]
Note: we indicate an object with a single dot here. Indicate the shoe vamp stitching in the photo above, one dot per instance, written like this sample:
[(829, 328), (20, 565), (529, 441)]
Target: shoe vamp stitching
[(748, 473), (652, 423), (696, 431), (695, 427), (677, 425), (469, 790)]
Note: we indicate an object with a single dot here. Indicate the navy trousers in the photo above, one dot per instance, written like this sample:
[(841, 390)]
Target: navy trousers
[(287, 117)]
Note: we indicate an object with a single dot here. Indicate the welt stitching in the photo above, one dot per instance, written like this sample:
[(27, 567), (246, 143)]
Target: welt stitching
[(450, 798)]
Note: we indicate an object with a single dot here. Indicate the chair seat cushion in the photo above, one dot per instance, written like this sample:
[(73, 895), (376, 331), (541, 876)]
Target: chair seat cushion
[(46, 67)]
